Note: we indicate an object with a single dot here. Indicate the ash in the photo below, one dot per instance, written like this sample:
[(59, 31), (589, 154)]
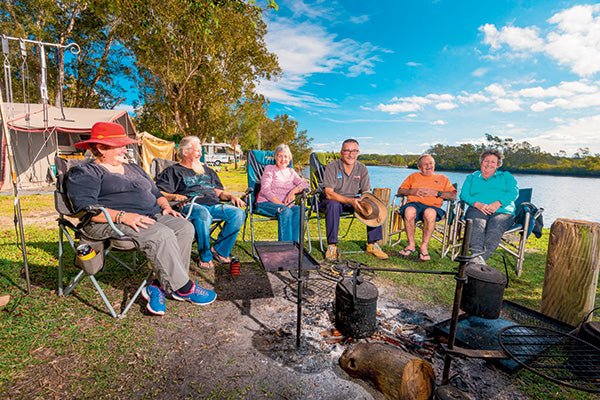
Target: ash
[(402, 323)]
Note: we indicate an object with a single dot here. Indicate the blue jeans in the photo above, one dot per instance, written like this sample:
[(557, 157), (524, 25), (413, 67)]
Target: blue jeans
[(487, 231), (202, 217), (288, 225)]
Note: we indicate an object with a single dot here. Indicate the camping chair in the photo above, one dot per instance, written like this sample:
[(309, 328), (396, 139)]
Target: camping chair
[(103, 246), (443, 228), (514, 239), (157, 166), (256, 162), (317, 170)]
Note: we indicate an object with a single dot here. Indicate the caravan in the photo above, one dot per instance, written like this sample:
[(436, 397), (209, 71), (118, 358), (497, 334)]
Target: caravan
[(219, 153)]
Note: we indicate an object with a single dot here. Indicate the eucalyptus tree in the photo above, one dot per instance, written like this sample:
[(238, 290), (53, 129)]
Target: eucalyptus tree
[(93, 79), (196, 59)]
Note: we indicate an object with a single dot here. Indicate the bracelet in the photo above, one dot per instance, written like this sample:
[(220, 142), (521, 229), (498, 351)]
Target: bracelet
[(119, 216)]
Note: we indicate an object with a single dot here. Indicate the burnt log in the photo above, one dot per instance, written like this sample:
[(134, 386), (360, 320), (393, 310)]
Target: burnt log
[(395, 373)]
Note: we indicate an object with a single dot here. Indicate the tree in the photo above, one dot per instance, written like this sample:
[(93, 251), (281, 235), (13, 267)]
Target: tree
[(197, 59), (94, 78)]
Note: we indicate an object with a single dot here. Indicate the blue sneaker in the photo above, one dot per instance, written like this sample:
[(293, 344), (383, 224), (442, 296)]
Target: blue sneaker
[(155, 297), (198, 295)]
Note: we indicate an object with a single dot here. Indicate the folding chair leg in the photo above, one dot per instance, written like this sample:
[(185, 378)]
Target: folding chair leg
[(135, 296), (320, 233), (78, 278)]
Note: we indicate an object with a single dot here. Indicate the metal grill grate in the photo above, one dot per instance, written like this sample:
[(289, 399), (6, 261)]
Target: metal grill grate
[(554, 355)]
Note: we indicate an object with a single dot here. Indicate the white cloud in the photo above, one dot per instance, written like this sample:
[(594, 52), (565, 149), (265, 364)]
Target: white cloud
[(445, 106), (413, 64), (361, 19), (507, 105), (570, 135), (519, 39), (479, 72), (126, 107), (396, 108), (573, 39), (307, 48), (495, 90), (439, 122), (466, 98)]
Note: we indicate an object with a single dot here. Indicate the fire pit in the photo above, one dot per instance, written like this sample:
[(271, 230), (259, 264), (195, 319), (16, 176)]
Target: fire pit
[(557, 356)]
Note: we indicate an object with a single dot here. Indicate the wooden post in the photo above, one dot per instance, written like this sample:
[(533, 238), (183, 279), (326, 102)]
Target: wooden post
[(383, 194), (572, 266)]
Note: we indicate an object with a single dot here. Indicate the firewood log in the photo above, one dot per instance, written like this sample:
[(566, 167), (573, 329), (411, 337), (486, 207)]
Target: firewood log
[(395, 373)]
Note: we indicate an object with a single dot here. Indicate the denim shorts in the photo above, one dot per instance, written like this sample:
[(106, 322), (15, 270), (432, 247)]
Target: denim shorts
[(420, 207)]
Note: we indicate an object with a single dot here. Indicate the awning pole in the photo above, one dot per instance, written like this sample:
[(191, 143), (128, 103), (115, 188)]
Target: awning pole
[(18, 216)]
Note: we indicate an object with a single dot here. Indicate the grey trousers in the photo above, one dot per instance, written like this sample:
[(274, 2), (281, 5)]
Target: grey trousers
[(487, 231), (167, 245)]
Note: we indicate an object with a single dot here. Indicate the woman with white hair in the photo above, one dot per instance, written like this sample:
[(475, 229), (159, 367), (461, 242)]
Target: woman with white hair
[(279, 186), (491, 196), (190, 178)]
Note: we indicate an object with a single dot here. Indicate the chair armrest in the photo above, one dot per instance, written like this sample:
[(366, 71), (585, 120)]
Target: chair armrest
[(94, 210)]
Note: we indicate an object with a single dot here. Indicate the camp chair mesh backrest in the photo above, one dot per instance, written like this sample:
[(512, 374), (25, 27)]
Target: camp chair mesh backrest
[(62, 202), (158, 165), (318, 161), (257, 161)]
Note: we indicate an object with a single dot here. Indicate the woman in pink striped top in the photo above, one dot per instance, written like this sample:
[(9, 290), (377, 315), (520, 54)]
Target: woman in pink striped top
[(279, 186)]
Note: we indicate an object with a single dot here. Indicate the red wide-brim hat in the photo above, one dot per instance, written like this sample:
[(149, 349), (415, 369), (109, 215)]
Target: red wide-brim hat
[(108, 134)]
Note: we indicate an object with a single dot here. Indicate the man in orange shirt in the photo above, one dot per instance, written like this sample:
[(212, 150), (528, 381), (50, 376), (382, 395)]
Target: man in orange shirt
[(425, 191)]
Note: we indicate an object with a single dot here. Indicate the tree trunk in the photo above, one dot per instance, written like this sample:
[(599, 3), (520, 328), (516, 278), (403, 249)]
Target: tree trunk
[(572, 267), (395, 373)]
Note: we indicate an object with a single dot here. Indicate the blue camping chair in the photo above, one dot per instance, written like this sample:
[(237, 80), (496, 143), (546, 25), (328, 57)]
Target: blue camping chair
[(256, 162), (513, 241)]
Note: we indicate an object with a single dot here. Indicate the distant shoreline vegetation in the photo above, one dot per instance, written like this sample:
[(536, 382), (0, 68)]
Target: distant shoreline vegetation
[(518, 158)]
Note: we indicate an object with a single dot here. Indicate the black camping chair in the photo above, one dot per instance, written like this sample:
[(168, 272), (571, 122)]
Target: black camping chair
[(443, 228), (157, 166), (104, 247), (515, 238), (317, 170)]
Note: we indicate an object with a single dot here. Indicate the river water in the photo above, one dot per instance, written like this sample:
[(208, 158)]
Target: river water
[(560, 196)]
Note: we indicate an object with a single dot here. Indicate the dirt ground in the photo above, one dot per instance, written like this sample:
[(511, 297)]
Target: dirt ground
[(245, 345)]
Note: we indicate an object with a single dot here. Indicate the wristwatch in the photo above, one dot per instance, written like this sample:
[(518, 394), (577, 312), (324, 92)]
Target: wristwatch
[(439, 194)]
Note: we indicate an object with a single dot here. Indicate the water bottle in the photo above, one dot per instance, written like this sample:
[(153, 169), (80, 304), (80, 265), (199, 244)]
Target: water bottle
[(234, 266)]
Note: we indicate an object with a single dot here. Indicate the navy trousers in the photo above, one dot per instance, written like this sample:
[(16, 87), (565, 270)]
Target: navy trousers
[(333, 211)]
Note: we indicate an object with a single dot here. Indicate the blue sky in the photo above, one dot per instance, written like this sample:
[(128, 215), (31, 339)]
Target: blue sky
[(400, 76)]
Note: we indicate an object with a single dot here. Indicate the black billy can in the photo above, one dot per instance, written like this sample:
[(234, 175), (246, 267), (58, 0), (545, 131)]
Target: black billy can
[(483, 292), (356, 307)]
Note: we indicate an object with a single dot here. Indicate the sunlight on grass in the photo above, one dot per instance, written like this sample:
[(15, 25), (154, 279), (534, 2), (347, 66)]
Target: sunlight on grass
[(42, 327)]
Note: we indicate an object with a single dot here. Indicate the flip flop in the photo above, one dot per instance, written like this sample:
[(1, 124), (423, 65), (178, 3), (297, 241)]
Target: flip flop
[(424, 257), (206, 264), (219, 258), (406, 253)]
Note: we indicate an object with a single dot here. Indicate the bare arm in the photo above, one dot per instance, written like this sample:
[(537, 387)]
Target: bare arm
[(330, 194), (226, 196)]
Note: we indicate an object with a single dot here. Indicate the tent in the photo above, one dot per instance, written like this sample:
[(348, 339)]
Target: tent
[(153, 147), (34, 145)]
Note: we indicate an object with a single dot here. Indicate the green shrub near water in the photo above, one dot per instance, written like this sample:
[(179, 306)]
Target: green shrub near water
[(42, 328)]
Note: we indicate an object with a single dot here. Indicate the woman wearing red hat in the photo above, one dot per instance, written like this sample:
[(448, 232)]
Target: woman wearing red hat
[(139, 210)]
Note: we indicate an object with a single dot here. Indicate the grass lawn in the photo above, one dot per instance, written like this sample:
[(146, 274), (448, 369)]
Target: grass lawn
[(42, 328)]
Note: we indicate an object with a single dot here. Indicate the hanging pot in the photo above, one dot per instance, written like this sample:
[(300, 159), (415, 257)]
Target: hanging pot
[(483, 292), (356, 307)]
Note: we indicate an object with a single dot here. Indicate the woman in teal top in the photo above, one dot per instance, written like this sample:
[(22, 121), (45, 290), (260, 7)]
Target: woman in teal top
[(491, 196)]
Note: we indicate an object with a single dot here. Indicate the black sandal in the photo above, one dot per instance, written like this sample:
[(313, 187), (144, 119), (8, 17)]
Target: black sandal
[(407, 253)]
